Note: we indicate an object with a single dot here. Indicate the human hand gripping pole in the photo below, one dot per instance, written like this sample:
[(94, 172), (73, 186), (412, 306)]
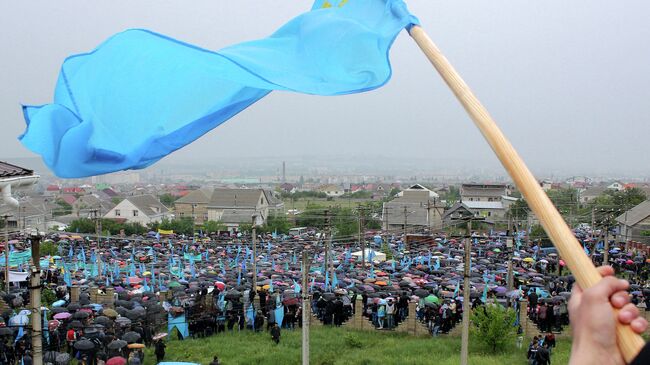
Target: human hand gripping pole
[(567, 245)]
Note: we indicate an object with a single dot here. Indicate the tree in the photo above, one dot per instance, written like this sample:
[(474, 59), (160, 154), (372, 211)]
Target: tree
[(213, 227), (64, 208), (494, 325), (83, 225), (519, 209), (48, 248), (278, 224), (167, 199)]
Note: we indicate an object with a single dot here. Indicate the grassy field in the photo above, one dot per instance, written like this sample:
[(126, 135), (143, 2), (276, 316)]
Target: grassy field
[(341, 346)]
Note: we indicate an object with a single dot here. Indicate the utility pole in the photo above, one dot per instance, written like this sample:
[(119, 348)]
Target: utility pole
[(254, 241), (6, 224), (362, 240), (306, 310), (429, 214), (329, 248), (464, 347), (35, 301), (327, 243)]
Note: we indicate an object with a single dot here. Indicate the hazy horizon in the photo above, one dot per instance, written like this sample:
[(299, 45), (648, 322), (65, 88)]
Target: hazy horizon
[(568, 82)]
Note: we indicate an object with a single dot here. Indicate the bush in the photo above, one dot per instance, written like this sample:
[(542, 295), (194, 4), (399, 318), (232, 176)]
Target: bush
[(353, 341), (49, 249), (48, 297), (494, 325)]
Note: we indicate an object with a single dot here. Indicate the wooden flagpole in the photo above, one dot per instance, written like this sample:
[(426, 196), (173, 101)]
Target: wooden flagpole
[(567, 245)]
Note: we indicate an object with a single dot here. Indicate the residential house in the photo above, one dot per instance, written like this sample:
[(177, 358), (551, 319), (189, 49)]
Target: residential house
[(414, 210), (634, 225), (417, 187), (616, 185), (591, 193), (87, 205), (331, 190), (486, 200), (288, 188), (483, 192), (231, 207), (141, 209), (457, 211)]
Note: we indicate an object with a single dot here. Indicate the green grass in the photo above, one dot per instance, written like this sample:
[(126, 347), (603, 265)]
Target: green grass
[(342, 346), (301, 204)]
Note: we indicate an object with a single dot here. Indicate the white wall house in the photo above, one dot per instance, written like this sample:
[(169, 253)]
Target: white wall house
[(141, 209)]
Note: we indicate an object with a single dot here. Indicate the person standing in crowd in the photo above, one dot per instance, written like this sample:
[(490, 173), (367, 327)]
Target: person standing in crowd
[(275, 333)]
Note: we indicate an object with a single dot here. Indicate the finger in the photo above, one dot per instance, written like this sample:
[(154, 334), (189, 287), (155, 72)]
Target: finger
[(576, 298), (619, 299), (639, 325), (628, 313), (605, 270), (604, 289)]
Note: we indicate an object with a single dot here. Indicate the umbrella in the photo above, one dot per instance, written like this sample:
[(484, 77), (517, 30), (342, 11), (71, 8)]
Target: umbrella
[(6, 331), (62, 359), (116, 344), (123, 321), (110, 313), (79, 315), (159, 336), (135, 346), (50, 356), (84, 345), (19, 320), (131, 337), (117, 360)]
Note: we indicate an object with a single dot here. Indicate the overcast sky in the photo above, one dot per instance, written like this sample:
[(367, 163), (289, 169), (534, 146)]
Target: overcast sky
[(567, 81)]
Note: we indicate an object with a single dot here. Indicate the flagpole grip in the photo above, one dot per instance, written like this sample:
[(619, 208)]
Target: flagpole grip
[(559, 232)]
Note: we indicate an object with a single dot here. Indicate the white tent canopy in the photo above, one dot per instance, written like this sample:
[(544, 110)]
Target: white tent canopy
[(376, 255)]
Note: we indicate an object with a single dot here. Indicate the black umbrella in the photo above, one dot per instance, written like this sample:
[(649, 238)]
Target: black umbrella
[(80, 315), (84, 345), (62, 359), (50, 356), (73, 307), (103, 320), (76, 324), (131, 337), (116, 344), (6, 331)]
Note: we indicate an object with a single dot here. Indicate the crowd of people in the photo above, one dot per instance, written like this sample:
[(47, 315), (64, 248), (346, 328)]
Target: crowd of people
[(204, 285)]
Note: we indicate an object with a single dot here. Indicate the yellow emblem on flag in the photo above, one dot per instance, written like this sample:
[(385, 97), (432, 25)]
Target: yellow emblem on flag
[(328, 4)]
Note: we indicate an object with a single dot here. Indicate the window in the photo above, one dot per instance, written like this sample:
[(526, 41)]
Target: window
[(117, 213), (135, 213), (181, 214), (261, 201), (205, 216)]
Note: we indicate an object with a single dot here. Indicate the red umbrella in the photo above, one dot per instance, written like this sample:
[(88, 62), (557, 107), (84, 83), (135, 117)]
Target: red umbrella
[(221, 286), (117, 360)]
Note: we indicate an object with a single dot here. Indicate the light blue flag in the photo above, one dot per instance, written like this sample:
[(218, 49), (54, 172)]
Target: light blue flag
[(296, 287), (484, 296), (457, 289), (140, 96), (335, 280)]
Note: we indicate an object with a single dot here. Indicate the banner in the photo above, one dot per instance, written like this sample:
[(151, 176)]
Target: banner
[(18, 276), (180, 324), (165, 231)]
